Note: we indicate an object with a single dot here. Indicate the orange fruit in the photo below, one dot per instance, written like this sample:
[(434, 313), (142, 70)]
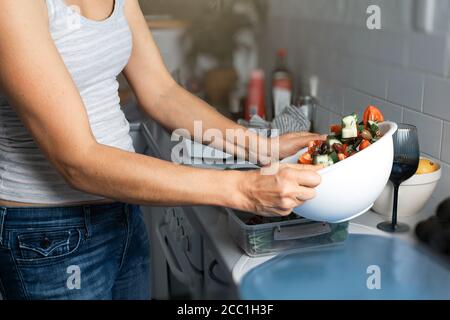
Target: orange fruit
[(427, 166)]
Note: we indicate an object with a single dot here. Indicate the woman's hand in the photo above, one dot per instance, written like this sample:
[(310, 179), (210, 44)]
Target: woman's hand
[(278, 194), (291, 143)]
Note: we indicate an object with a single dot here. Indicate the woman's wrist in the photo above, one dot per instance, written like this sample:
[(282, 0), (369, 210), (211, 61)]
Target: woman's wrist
[(232, 189)]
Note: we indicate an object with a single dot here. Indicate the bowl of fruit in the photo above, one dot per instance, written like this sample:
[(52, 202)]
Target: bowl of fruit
[(413, 193), (357, 158)]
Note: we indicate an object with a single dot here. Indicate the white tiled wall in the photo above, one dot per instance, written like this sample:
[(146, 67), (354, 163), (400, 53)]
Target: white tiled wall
[(399, 69)]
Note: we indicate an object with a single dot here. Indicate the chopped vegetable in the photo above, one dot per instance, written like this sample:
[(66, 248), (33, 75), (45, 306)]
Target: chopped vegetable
[(349, 126), (306, 158), (346, 139), (372, 113), (336, 129), (331, 141), (334, 157), (366, 135), (364, 144), (321, 159)]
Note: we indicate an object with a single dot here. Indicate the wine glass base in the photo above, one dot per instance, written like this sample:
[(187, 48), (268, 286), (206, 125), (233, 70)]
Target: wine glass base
[(388, 227)]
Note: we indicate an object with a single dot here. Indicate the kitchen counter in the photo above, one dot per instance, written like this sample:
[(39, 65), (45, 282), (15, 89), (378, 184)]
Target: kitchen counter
[(212, 223), (220, 262)]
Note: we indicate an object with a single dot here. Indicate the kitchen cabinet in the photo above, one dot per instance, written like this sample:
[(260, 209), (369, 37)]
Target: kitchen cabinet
[(176, 246), (217, 283)]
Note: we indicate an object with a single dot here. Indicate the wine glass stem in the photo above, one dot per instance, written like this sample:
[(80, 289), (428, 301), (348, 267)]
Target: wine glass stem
[(394, 207)]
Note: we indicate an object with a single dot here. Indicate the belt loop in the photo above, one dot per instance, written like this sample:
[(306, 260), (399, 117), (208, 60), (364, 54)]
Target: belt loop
[(87, 220), (2, 222)]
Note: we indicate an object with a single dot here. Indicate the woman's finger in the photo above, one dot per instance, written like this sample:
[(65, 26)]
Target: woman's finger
[(304, 194)]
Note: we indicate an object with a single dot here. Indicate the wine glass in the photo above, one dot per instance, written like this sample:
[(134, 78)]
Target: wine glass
[(406, 162)]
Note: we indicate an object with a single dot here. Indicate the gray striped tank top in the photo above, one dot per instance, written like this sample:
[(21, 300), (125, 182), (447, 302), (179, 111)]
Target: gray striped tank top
[(95, 52)]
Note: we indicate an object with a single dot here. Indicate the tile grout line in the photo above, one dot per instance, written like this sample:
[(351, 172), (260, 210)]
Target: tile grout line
[(441, 140)]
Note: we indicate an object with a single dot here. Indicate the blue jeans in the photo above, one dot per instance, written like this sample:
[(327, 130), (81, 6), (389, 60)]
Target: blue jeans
[(82, 252)]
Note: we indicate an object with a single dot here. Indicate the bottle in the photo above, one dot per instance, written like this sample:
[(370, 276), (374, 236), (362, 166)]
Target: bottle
[(255, 104), (308, 103), (281, 84)]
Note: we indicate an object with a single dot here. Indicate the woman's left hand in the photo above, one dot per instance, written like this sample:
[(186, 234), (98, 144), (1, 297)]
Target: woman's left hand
[(291, 143)]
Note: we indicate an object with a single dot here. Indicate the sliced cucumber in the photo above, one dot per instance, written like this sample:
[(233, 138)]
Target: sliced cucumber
[(334, 157), (321, 159)]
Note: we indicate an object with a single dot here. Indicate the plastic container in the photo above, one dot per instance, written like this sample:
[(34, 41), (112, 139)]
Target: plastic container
[(282, 234)]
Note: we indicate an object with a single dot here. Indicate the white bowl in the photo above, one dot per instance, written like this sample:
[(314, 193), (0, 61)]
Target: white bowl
[(350, 187), (412, 196)]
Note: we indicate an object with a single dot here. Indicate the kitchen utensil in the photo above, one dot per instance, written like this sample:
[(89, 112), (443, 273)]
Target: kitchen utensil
[(350, 187), (412, 197), (406, 162)]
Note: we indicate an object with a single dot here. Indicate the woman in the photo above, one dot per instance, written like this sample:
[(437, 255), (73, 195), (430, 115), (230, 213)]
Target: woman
[(68, 171)]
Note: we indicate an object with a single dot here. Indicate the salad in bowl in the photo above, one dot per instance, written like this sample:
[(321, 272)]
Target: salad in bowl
[(357, 158), (345, 139)]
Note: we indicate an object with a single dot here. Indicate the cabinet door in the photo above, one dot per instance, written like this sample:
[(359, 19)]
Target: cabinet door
[(153, 216), (218, 284)]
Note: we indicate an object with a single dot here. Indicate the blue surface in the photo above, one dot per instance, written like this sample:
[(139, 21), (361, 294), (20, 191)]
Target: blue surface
[(340, 272)]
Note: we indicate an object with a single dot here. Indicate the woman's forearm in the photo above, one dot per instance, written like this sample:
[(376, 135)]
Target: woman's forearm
[(179, 109), (140, 179)]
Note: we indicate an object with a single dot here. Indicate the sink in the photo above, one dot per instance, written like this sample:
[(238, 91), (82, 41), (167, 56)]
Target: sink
[(365, 267)]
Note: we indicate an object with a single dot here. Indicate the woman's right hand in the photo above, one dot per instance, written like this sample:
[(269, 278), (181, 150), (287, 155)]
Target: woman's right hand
[(279, 193)]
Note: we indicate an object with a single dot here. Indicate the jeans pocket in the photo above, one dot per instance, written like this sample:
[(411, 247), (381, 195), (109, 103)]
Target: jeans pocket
[(46, 245)]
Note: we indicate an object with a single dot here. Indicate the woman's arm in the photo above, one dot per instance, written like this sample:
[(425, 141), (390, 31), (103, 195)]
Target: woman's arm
[(165, 101), (39, 86)]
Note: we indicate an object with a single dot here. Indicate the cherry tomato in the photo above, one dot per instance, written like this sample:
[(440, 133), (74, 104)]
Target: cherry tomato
[(364, 144), (341, 156), (372, 113), (344, 150), (318, 143), (336, 129), (314, 145), (306, 159)]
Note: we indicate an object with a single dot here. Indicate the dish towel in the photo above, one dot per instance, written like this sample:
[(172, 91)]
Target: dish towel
[(292, 119)]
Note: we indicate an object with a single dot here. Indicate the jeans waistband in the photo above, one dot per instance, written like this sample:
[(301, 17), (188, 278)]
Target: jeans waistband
[(82, 216)]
